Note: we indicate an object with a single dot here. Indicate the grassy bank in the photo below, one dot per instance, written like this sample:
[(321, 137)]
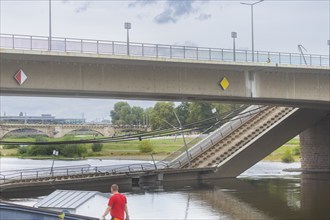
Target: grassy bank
[(113, 150), (161, 148), (293, 147)]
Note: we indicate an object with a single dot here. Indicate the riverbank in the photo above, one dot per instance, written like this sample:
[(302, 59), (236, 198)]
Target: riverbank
[(161, 148)]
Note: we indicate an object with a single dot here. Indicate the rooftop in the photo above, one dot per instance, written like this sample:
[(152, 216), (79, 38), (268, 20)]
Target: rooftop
[(66, 199)]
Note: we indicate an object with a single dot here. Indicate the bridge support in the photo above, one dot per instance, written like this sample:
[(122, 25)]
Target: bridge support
[(315, 146)]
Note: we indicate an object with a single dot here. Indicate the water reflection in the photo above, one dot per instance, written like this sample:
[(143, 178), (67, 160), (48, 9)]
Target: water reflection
[(263, 192), (263, 198)]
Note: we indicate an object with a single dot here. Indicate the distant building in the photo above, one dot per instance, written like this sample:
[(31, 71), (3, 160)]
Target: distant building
[(87, 203), (43, 119)]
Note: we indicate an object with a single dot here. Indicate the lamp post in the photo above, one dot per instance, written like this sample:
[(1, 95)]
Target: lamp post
[(127, 27), (329, 52), (234, 36), (50, 26), (252, 4)]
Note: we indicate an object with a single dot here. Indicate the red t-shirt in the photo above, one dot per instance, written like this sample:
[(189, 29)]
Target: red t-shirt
[(117, 202)]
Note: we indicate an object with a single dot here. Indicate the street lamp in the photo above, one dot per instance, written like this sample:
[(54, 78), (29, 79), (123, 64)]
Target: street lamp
[(329, 51), (127, 27), (252, 4), (234, 35), (50, 26)]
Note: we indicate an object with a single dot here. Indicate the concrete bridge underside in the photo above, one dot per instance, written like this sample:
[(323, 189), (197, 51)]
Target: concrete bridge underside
[(107, 76)]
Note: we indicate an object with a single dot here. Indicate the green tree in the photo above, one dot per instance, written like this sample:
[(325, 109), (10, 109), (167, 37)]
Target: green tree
[(182, 111), (97, 147), (199, 111), (162, 115), (121, 113), (137, 115)]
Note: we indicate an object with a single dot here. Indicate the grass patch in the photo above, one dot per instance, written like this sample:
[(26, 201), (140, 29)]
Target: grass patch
[(292, 146)]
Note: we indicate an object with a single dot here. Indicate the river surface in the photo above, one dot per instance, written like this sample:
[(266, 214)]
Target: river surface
[(264, 191)]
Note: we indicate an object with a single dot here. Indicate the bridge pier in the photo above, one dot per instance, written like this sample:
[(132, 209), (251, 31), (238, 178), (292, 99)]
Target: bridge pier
[(315, 146)]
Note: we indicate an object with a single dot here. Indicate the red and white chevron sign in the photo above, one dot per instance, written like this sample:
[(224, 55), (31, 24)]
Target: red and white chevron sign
[(20, 77)]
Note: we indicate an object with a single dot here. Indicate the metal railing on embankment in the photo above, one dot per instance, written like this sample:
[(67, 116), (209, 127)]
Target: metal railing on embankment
[(60, 44), (72, 172)]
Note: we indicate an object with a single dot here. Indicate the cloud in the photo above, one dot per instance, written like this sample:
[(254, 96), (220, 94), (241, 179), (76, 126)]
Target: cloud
[(165, 17), (83, 7), (141, 3), (174, 10), (203, 17)]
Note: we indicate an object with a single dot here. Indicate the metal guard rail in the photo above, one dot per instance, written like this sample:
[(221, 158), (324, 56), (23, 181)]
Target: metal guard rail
[(59, 44), (215, 137), (71, 171)]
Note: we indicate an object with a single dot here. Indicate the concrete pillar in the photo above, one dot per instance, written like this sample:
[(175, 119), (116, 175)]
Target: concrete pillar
[(315, 191), (315, 146)]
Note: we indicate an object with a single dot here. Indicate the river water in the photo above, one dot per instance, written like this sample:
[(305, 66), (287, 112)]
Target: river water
[(264, 191)]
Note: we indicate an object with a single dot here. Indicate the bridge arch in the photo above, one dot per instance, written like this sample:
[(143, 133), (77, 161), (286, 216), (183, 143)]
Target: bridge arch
[(61, 131), (6, 131), (82, 129)]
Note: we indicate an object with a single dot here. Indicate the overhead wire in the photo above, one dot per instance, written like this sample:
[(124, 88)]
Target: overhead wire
[(212, 121)]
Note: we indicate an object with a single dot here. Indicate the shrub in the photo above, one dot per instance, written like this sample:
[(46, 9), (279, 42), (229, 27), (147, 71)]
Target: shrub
[(10, 146), (36, 150), (287, 157), (296, 151), (73, 150), (22, 150), (97, 147), (145, 147)]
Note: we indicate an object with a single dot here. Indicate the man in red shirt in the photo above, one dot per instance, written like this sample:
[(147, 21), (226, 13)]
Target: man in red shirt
[(117, 205)]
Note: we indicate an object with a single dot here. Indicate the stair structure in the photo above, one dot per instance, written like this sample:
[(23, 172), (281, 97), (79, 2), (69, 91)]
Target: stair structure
[(239, 137), (231, 137)]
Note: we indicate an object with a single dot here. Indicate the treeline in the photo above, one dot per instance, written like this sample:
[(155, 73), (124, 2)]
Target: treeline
[(162, 115)]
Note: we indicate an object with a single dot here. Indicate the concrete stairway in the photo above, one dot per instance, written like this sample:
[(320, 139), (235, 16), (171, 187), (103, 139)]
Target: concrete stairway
[(239, 137)]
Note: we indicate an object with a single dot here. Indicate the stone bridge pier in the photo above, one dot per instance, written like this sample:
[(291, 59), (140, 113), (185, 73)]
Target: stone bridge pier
[(315, 146)]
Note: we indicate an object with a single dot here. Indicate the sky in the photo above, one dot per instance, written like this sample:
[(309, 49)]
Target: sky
[(279, 26)]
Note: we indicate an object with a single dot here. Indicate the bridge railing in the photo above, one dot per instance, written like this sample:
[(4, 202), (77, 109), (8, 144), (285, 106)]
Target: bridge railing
[(41, 43), (185, 157), (19, 175), (68, 172)]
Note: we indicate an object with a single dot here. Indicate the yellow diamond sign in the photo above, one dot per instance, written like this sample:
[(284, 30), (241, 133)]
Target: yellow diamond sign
[(224, 83)]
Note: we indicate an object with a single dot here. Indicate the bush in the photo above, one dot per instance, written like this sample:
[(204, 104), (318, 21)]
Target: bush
[(73, 150), (22, 150), (287, 157), (97, 147), (296, 151), (68, 150), (10, 146), (145, 147), (36, 150)]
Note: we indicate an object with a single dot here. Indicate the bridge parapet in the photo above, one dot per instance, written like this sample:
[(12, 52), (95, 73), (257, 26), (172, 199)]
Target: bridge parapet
[(59, 130), (157, 50)]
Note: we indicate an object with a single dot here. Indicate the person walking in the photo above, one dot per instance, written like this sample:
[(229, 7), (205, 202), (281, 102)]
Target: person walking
[(117, 205)]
